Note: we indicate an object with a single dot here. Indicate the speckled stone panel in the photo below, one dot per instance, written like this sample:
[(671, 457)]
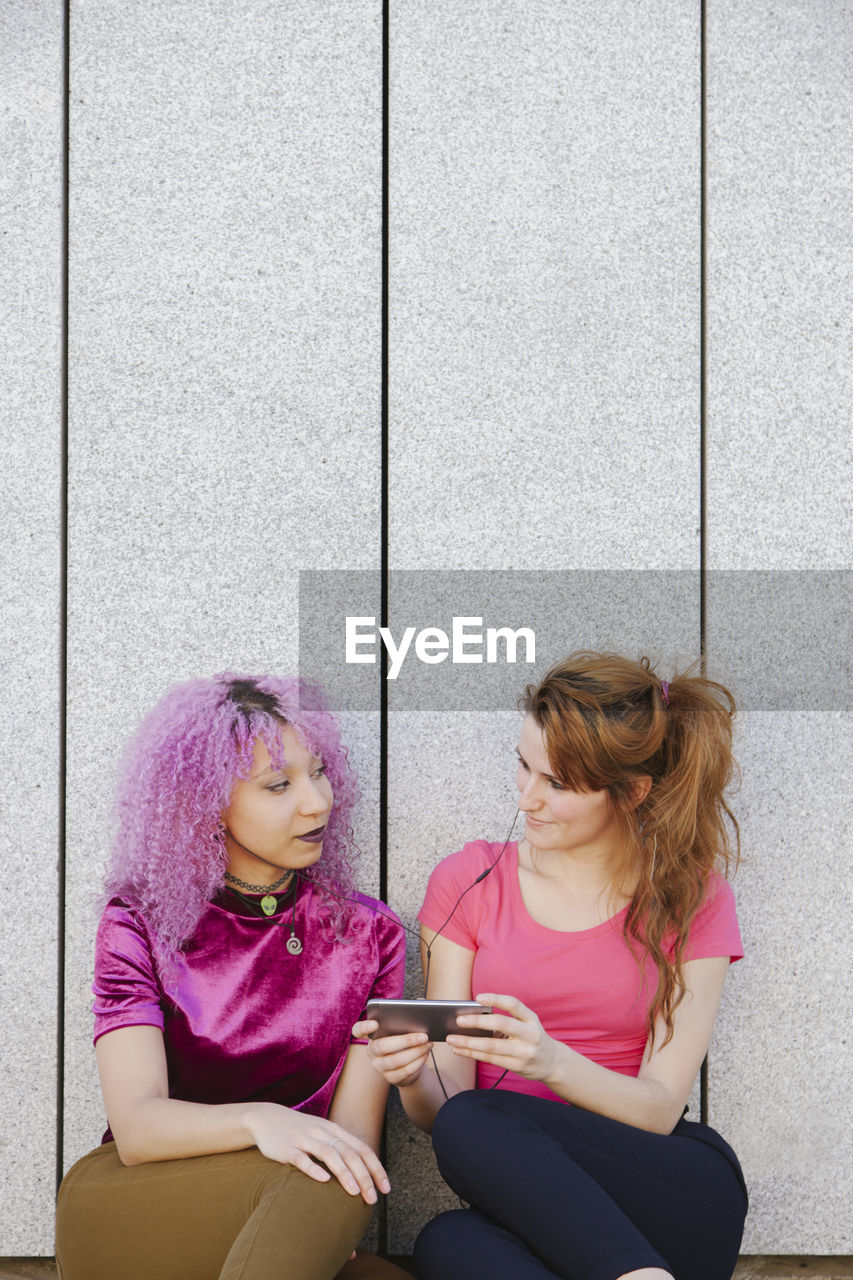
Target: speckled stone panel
[(544, 361), (778, 448), (780, 1062), (30, 463), (225, 276), (779, 331), (544, 284), (779, 475)]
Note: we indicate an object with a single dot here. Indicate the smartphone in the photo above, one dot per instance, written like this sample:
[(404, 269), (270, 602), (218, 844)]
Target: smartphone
[(436, 1017)]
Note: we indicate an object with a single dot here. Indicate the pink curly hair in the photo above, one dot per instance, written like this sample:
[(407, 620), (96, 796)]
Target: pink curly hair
[(180, 768)]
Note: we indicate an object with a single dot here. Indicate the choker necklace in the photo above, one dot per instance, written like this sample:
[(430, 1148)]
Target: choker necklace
[(268, 902), (267, 907)]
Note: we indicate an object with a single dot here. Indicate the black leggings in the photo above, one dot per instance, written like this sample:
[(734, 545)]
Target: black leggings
[(558, 1191)]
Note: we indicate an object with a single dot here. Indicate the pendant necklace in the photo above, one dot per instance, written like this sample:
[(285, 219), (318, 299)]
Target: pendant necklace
[(294, 944), (268, 903)]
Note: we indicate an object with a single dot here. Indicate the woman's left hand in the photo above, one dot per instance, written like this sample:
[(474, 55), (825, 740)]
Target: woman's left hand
[(519, 1042)]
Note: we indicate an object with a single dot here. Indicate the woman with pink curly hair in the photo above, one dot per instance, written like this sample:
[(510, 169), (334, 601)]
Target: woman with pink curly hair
[(232, 959)]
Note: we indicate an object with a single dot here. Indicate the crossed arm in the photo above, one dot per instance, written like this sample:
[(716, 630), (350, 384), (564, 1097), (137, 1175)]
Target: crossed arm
[(652, 1100), (148, 1125)]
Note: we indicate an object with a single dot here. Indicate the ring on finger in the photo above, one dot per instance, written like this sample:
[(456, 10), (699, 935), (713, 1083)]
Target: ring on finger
[(334, 1140)]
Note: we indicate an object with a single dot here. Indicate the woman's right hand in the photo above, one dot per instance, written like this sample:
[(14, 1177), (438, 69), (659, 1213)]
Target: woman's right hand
[(319, 1148), (400, 1059)]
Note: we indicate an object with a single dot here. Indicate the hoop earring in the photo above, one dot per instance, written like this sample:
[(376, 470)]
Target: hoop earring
[(654, 856)]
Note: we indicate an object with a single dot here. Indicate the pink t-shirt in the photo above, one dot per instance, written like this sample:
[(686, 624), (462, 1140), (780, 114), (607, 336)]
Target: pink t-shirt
[(586, 987)]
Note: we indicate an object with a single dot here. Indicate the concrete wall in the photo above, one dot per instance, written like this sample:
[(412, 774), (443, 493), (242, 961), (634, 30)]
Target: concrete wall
[(544, 383), (778, 498), (30, 612)]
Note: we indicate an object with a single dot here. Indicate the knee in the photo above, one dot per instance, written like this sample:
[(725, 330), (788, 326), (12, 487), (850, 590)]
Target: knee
[(455, 1121), (435, 1247), (465, 1113), (328, 1217), (300, 1194)]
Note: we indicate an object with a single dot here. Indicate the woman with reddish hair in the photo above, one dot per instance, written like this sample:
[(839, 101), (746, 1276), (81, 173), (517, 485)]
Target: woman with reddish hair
[(232, 958), (602, 940)]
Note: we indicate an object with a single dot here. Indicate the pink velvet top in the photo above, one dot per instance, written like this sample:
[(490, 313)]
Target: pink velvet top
[(241, 1017), (586, 986)]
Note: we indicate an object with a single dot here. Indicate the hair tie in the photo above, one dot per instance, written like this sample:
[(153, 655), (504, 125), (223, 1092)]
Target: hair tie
[(664, 692)]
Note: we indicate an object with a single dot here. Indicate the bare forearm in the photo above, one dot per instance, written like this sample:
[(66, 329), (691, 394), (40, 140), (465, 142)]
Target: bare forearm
[(644, 1103), (651, 1100), (149, 1125), (360, 1098), (170, 1129)]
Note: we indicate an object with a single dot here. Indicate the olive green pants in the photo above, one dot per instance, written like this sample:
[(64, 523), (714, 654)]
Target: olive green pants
[(232, 1216)]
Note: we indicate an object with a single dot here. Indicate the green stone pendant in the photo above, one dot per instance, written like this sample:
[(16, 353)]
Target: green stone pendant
[(269, 904)]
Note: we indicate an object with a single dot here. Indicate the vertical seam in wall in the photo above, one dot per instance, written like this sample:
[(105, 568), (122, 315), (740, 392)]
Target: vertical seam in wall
[(383, 533), (63, 596), (382, 1224), (703, 335), (703, 371)]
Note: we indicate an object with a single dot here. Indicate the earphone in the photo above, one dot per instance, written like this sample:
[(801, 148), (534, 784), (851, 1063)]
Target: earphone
[(471, 886)]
